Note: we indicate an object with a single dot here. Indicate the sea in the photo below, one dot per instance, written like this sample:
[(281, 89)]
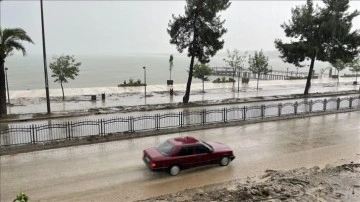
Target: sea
[(110, 70)]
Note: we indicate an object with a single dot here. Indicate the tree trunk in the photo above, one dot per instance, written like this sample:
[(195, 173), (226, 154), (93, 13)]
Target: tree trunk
[(62, 88), (239, 80), (257, 85), (233, 87), (308, 81), (203, 86), (188, 85), (3, 111)]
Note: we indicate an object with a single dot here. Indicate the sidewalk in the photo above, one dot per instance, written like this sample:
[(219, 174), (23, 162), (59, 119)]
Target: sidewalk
[(79, 100)]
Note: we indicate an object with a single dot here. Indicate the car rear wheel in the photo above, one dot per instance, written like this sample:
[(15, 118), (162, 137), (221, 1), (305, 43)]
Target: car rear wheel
[(224, 161), (174, 170)]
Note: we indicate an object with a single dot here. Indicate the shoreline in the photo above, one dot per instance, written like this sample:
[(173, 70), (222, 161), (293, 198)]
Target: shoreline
[(56, 92)]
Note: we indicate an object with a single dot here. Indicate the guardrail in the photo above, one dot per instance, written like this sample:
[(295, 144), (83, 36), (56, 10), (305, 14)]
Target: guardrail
[(17, 135)]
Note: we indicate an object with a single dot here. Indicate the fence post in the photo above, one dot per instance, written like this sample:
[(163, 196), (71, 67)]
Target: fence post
[(157, 122), (68, 130), (338, 104), (325, 103), (101, 127), (129, 124), (71, 129), (204, 116), (225, 114), (350, 102), (244, 113), (279, 109), (181, 119), (35, 132), (295, 107), (132, 124), (310, 105), (262, 111), (32, 134)]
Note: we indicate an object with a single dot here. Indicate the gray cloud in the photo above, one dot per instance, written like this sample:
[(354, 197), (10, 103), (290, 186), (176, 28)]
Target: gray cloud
[(116, 27)]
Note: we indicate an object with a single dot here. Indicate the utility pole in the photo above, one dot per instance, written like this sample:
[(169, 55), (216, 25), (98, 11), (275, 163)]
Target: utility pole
[(45, 62), (145, 79)]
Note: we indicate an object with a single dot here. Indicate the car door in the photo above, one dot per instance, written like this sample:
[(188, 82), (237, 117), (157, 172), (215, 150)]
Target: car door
[(202, 155), (186, 157)]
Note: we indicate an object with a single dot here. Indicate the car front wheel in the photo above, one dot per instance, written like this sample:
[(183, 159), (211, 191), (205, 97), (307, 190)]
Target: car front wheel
[(224, 161), (174, 170)]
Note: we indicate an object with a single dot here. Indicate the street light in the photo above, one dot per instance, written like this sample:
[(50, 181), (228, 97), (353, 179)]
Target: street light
[(145, 79), (297, 71), (7, 84), (239, 72), (287, 71), (44, 57)]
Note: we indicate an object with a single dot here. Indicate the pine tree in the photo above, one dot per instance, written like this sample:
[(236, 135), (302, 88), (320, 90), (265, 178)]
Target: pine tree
[(319, 34), (199, 31)]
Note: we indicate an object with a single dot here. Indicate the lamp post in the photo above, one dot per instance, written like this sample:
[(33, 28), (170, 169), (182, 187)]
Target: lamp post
[(44, 57), (287, 71), (239, 78), (7, 84), (297, 71), (145, 79)]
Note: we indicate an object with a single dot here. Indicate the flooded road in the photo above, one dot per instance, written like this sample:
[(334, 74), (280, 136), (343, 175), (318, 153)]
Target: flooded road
[(114, 171)]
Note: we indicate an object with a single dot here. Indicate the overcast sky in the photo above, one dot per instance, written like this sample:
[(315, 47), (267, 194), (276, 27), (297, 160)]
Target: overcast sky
[(118, 27)]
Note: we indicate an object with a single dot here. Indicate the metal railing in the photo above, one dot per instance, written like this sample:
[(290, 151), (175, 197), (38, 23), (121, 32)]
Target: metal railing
[(16, 135)]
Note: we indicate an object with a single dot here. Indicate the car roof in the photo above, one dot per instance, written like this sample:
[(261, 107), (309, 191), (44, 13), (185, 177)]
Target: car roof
[(184, 141)]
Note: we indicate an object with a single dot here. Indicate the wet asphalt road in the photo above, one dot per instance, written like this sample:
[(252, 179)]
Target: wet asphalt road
[(114, 171)]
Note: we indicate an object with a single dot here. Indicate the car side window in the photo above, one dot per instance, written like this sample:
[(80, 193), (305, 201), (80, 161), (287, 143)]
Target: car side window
[(185, 151), (201, 149)]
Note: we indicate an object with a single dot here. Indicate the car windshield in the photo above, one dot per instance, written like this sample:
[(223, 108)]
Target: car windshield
[(165, 148)]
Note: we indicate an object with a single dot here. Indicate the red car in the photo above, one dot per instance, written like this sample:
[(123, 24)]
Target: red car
[(186, 152)]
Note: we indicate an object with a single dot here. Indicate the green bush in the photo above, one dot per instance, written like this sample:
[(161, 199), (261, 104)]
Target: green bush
[(349, 75), (138, 82), (131, 81), (22, 197), (245, 80)]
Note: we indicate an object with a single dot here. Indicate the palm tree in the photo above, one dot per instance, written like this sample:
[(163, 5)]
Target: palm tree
[(10, 39)]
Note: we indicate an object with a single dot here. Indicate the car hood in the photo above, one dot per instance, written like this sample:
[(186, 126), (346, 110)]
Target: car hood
[(217, 146), (153, 153)]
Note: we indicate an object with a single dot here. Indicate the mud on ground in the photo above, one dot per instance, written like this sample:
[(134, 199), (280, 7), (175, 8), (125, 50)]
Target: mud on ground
[(332, 183)]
